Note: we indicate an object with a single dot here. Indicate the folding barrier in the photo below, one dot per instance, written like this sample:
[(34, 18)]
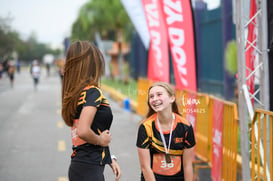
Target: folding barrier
[(142, 88), (261, 145), (195, 107), (230, 141), (211, 140), (199, 114)]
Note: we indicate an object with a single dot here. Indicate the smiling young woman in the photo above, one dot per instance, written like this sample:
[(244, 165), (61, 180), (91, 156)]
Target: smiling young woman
[(165, 139)]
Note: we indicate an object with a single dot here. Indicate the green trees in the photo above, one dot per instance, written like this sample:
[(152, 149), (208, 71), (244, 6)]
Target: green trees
[(8, 39), (11, 44), (31, 49), (231, 57), (107, 17)]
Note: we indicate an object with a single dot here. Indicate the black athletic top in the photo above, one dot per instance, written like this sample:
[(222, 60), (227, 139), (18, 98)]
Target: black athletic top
[(83, 151), (182, 138)]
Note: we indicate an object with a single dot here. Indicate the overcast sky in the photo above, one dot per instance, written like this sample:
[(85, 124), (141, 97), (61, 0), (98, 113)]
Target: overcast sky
[(51, 20)]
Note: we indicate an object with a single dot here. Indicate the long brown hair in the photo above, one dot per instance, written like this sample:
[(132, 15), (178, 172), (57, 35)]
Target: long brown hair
[(84, 66), (169, 90)]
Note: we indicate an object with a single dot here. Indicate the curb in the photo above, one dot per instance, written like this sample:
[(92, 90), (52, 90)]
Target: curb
[(119, 97)]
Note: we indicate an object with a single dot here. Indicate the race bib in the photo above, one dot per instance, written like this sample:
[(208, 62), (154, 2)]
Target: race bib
[(76, 140), (161, 167)]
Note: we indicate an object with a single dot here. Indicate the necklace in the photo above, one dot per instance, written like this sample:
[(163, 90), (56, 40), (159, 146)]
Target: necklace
[(167, 149)]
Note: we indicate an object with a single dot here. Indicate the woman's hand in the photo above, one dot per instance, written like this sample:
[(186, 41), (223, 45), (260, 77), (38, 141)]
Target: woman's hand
[(104, 138), (116, 169)]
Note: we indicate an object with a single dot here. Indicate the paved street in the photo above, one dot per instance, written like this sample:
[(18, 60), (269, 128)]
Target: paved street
[(35, 143)]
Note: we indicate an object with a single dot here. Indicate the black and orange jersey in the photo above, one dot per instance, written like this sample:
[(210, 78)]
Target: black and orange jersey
[(83, 151), (182, 138)]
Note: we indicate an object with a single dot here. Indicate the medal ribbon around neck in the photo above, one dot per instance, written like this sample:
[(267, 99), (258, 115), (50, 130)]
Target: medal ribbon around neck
[(162, 136)]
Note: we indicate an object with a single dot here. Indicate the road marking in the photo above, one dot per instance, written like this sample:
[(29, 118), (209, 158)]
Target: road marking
[(62, 179), (61, 145), (60, 124)]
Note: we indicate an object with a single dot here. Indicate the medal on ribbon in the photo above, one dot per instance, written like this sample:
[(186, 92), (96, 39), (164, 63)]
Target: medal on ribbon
[(167, 155), (168, 158)]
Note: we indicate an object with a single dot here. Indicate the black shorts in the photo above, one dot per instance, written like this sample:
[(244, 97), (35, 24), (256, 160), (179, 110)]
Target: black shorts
[(11, 76), (85, 172), (36, 80)]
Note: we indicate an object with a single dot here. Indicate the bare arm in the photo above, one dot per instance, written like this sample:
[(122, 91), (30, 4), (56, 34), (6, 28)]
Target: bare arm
[(85, 132), (145, 162), (187, 164)]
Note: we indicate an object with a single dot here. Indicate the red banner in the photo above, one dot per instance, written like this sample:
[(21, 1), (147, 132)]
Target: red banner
[(250, 54), (179, 22), (217, 140), (158, 60)]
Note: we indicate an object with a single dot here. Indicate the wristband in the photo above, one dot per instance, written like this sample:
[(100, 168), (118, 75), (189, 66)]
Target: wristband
[(114, 157)]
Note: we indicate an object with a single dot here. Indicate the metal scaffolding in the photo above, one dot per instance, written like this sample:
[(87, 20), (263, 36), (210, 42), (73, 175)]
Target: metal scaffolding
[(260, 96)]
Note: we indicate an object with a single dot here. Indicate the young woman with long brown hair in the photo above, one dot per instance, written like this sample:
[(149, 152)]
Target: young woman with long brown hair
[(87, 112)]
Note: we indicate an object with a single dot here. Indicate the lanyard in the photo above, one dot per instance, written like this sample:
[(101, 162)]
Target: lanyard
[(162, 136)]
